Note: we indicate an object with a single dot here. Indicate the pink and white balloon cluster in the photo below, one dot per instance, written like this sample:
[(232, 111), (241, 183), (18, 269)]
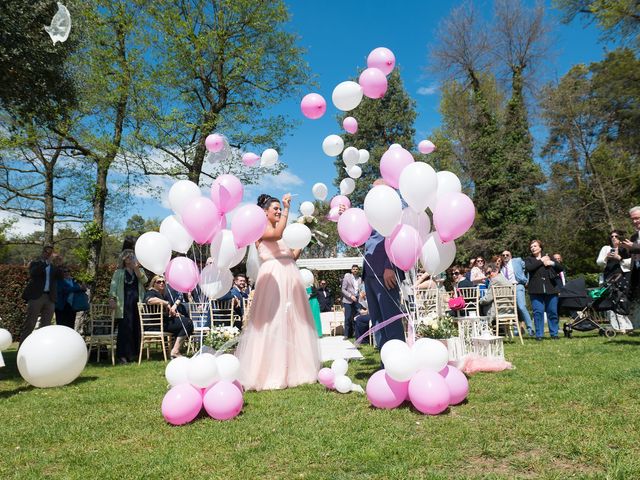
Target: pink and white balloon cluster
[(335, 378), (218, 148), (202, 220), (408, 231), (419, 374), (203, 380)]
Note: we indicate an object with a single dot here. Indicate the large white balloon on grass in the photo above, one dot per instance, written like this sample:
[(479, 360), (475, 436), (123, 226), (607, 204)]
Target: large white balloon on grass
[(181, 193), (224, 252), (177, 370), (383, 209), (228, 367), (177, 235), (429, 354), (436, 256), (153, 251), (347, 95), (296, 235), (203, 370), (333, 145), (52, 356), (418, 185)]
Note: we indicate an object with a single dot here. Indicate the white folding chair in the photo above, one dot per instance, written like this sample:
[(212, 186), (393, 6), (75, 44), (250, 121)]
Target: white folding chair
[(102, 330)]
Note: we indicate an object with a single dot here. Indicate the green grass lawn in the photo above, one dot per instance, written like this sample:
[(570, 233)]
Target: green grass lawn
[(570, 409)]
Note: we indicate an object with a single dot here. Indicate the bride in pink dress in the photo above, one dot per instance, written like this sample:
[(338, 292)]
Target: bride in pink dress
[(279, 345)]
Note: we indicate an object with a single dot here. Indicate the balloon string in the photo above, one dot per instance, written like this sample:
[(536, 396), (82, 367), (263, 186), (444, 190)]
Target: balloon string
[(379, 326)]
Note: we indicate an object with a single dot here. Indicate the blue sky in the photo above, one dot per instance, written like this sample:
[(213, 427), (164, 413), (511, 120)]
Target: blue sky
[(338, 35)]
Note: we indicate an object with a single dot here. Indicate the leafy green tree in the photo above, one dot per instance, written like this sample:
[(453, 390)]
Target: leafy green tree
[(219, 66), (381, 123)]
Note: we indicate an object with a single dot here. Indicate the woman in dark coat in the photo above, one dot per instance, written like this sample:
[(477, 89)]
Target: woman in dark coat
[(544, 284)]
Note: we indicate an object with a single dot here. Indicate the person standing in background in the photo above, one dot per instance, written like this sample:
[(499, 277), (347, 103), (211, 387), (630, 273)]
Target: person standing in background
[(350, 288)]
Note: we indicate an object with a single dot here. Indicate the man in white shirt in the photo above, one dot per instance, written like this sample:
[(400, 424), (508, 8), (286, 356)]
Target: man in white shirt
[(513, 270), (350, 287)]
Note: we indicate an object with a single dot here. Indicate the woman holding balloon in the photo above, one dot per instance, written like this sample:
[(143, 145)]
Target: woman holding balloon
[(279, 345)]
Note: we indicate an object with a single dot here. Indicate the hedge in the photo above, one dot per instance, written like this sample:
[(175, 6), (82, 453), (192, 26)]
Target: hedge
[(14, 279)]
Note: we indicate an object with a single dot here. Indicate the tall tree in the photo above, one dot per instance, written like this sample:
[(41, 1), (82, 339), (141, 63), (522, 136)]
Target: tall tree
[(381, 123), (220, 65)]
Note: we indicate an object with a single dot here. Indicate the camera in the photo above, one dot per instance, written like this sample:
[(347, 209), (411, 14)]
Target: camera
[(613, 250)]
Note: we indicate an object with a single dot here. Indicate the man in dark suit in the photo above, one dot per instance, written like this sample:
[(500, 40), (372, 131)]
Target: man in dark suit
[(325, 297), (40, 293), (633, 247)]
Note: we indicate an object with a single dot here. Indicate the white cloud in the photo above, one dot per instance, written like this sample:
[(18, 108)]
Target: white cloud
[(283, 180), (23, 226), (430, 90)]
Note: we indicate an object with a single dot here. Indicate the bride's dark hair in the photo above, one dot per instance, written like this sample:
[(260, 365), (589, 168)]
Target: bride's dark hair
[(265, 200)]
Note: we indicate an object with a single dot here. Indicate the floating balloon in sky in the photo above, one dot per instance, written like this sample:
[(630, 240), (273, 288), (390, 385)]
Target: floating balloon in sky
[(250, 159), (313, 106), (332, 145), (373, 83), (383, 59), (347, 95), (347, 186), (269, 158), (426, 146), (214, 142), (350, 125), (60, 25), (320, 191)]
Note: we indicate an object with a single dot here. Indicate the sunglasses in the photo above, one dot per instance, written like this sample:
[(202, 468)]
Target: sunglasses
[(614, 236), (480, 260), (456, 273), (506, 254), (160, 281)]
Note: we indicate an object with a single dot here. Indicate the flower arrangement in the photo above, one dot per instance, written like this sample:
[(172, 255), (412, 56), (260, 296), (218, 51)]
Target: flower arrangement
[(218, 336), (434, 326), (312, 222)]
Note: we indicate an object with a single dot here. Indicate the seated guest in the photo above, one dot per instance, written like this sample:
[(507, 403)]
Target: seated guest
[(425, 282), (496, 279), (66, 288), (458, 278), (325, 297), (176, 319), (477, 276)]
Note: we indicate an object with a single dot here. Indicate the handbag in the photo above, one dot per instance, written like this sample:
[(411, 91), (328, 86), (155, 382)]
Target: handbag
[(456, 303), (80, 302)]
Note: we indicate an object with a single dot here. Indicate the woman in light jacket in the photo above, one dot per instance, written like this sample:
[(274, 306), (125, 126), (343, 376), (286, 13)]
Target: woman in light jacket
[(127, 289)]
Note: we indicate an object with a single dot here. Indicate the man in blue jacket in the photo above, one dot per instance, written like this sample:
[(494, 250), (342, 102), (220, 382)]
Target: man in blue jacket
[(513, 270)]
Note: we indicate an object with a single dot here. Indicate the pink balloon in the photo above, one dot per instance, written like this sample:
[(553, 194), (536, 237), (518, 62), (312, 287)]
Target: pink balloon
[(383, 59), (250, 159), (326, 377), (426, 147), (222, 224), (453, 216), (201, 219), (334, 214), (182, 274), (226, 192), (385, 392), (214, 142), (181, 404), (350, 125), (353, 227), (428, 392), (239, 385), (313, 106), (223, 400), (340, 200), (392, 163), (405, 246), (248, 225), (457, 383), (373, 83)]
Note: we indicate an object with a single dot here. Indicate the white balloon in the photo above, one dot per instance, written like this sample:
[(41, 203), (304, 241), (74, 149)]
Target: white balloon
[(52, 356), (364, 156), (319, 191), (399, 365), (347, 186), (350, 156), (395, 145), (447, 182), (177, 370), (418, 185), (269, 158), (203, 370), (296, 235), (418, 220), (307, 277), (215, 282), (153, 251), (339, 366), (383, 209), (307, 208), (253, 262), (429, 354), (342, 384), (347, 95), (60, 26), (332, 145), (391, 348), (177, 235), (354, 171), (181, 193), (228, 367), (223, 249), (437, 256), (5, 339)]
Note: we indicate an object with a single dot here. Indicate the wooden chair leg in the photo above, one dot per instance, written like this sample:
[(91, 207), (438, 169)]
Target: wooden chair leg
[(520, 332), (140, 354)]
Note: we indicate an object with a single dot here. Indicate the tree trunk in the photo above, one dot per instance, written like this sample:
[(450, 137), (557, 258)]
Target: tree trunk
[(49, 215)]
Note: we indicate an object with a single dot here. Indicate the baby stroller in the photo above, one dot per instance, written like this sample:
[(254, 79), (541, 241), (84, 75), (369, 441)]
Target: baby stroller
[(586, 306)]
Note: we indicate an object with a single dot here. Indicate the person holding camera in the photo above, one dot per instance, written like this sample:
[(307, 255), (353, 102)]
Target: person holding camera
[(126, 290)]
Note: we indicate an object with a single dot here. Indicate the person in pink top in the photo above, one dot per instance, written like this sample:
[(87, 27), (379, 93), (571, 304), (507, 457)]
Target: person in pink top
[(278, 347)]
